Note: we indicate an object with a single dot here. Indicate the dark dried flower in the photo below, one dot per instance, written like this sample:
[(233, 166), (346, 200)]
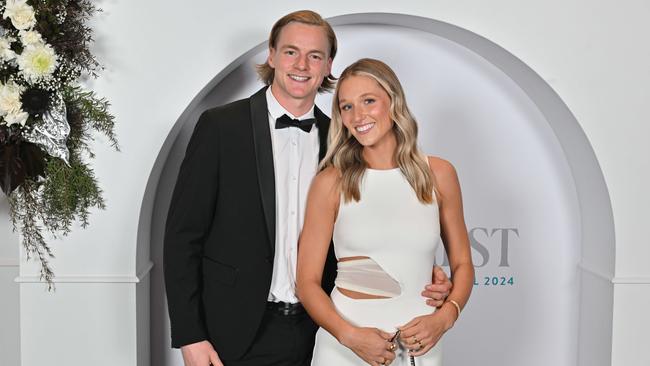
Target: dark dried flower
[(4, 135), (36, 101), (19, 160)]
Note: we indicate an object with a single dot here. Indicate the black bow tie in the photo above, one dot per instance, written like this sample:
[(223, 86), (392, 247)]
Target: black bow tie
[(286, 121)]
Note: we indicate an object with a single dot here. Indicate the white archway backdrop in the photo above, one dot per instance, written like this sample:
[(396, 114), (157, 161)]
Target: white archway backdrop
[(535, 200)]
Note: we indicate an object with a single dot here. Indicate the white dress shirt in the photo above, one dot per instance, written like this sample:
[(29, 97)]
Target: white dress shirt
[(295, 159)]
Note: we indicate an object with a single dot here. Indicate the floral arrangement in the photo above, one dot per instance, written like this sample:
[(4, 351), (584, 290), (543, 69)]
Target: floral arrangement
[(47, 119)]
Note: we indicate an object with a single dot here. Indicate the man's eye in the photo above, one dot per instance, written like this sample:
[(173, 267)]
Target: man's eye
[(290, 53), (316, 57)]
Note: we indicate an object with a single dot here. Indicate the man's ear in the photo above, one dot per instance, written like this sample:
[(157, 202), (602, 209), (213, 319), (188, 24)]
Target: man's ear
[(269, 59)]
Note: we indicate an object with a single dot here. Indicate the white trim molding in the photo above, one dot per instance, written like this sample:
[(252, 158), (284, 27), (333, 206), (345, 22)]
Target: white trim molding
[(144, 272), (618, 280), (91, 278), (596, 272), (630, 280)]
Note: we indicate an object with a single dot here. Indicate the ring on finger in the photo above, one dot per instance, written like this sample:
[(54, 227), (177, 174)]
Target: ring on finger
[(392, 347)]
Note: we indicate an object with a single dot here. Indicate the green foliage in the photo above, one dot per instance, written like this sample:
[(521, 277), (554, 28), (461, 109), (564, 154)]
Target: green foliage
[(53, 198), (95, 112), (25, 211), (68, 193)]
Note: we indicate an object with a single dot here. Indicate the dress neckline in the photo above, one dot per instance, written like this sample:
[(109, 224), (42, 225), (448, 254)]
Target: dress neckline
[(382, 170)]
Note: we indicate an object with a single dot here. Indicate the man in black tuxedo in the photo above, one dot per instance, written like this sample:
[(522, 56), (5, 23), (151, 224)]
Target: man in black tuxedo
[(237, 210)]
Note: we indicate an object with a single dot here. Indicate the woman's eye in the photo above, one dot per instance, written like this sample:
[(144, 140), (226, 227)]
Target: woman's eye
[(345, 107), (369, 101)]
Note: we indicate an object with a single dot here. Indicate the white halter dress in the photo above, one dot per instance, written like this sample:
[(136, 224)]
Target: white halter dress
[(399, 235)]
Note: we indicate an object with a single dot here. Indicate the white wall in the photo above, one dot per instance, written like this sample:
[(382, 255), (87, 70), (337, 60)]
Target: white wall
[(159, 54), (9, 304)]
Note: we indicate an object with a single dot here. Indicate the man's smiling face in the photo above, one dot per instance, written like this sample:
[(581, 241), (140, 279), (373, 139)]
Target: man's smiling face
[(301, 61)]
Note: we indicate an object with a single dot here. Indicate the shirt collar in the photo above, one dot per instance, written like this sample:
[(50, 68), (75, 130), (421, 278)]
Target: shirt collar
[(276, 110)]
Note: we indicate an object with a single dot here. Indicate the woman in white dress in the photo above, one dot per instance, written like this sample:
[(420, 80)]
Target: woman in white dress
[(387, 207)]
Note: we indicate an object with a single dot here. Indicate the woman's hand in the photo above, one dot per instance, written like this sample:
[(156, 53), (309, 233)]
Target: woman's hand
[(423, 332), (370, 344)]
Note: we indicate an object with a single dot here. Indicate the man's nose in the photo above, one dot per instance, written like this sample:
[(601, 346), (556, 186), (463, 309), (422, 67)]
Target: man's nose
[(302, 63)]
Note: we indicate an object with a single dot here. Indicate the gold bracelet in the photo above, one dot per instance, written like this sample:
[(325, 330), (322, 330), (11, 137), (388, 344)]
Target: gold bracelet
[(457, 307)]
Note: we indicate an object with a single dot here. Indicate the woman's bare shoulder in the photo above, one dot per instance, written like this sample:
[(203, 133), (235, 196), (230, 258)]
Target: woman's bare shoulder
[(441, 168), (326, 181), (445, 176)]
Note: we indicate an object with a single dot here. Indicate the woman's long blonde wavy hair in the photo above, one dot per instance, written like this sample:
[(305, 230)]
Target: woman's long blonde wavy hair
[(345, 153)]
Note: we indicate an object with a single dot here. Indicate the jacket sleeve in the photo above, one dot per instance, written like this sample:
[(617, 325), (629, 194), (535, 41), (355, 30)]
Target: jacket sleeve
[(191, 213)]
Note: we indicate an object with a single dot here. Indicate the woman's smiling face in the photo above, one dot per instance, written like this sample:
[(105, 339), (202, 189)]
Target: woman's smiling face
[(365, 110)]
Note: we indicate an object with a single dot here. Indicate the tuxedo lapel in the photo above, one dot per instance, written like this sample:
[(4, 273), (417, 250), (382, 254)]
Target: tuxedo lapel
[(264, 161), (264, 155), (323, 123)]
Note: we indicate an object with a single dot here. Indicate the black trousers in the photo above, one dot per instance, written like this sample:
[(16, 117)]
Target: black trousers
[(282, 340)]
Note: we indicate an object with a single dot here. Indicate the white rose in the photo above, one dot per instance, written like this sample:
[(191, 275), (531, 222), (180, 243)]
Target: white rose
[(37, 62), (6, 54), (30, 38), (16, 118), (10, 98), (21, 14)]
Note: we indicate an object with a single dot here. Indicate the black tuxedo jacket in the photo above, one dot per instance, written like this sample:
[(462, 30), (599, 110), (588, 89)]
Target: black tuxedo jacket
[(220, 232)]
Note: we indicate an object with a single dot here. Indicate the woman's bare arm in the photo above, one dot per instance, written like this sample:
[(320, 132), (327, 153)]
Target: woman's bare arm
[(454, 232), (423, 332)]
